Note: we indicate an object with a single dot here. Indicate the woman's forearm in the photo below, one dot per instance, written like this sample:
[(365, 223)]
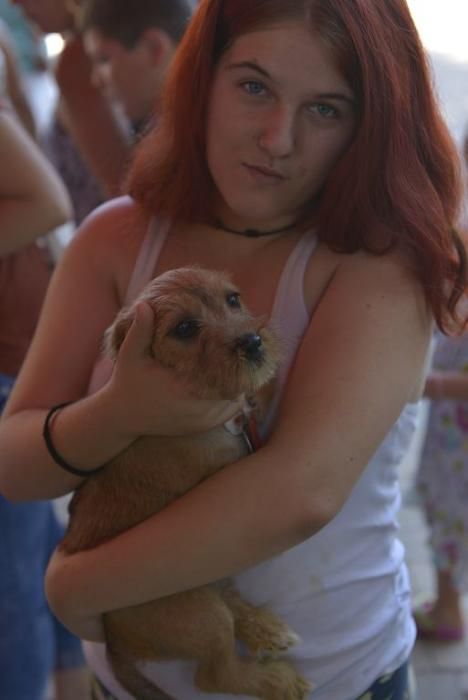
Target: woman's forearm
[(227, 524), (33, 198), (22, 221), (84, 434)]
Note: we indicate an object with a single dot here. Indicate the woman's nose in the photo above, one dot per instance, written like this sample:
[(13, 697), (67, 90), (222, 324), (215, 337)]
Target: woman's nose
[(277, 135)]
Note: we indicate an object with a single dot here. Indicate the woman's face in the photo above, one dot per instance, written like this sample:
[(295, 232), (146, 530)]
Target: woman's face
[(49, 15), (280, 116)]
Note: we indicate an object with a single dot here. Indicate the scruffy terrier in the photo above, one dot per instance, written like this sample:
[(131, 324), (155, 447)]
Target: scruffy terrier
[(204, 334)]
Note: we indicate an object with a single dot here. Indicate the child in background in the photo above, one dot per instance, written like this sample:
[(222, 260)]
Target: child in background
[(442, 482), (443, 485)]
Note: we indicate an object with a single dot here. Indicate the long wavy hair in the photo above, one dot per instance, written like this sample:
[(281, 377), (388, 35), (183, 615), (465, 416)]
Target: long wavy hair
[(397, 185)]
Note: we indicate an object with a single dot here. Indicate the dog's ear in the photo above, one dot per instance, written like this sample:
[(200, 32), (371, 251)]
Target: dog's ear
[(115, 334)]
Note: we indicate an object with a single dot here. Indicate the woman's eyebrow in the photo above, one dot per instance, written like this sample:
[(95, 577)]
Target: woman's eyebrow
[(251, 66)]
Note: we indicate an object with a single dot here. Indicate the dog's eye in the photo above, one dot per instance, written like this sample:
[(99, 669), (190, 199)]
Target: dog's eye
[(188, 328), (233, 300)]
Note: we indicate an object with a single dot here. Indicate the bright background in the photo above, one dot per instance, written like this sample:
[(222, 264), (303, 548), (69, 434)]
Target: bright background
[(443, 25)]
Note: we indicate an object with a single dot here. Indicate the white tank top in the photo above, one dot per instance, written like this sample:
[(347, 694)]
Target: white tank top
[(345, 591)]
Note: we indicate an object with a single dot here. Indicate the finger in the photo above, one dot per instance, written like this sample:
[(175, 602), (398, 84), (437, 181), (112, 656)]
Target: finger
[(140, 335), (232, 408), (223, 411)]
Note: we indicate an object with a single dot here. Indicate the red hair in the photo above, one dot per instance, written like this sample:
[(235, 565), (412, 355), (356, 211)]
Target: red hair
[(397, 185)]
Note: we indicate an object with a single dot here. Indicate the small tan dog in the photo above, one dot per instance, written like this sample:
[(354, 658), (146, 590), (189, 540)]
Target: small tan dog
[(213, 344)]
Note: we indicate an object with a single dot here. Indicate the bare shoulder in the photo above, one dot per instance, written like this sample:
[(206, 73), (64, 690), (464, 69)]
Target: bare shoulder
[(372, 280), (371, 319), (112, 221), (386, 286), (109, 240)]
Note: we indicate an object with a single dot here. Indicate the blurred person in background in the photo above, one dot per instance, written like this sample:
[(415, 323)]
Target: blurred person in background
[(131, 46), (88, 141), (442, 482), (29, 44), (12, 80), (33, 644)]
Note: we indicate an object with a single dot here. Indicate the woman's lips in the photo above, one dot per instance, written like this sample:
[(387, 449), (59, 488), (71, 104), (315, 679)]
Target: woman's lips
[(263, 174)]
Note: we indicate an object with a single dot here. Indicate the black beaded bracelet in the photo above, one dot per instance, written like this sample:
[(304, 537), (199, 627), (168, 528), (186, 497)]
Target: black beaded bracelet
[(58, 459)]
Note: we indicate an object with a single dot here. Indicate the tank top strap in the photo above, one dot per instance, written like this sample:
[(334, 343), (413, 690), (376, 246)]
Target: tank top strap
[(289, 310), (289, 317), (148, 255)]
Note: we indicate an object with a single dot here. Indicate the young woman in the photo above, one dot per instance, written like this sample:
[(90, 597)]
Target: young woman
[(302, 150)]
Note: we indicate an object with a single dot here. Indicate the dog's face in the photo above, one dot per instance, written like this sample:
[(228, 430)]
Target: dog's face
[(204, 334)]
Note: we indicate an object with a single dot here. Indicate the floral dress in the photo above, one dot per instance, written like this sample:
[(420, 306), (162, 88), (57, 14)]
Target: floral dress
[(443, 471)]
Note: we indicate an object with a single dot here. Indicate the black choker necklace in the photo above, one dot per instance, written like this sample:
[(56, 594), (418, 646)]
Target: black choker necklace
[(253, 232)]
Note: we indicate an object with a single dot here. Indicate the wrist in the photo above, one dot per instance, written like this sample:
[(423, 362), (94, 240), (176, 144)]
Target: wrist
[(118, 416), (86, 435), (52, 450)]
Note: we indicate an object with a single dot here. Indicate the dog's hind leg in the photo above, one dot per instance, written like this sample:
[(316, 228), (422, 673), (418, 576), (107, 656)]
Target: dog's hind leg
[(128, 674), (263, 633), (202, 627), (271, 680), (198, 625)]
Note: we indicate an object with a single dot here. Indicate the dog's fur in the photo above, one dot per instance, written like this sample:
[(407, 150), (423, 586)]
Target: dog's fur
[(212, 343)]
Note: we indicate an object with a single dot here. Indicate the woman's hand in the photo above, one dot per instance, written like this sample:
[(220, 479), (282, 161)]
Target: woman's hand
[(447, 385), (148, 399), (59, 587), (433, 385)]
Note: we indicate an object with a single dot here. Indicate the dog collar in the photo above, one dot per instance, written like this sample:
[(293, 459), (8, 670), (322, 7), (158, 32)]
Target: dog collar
[(244, 424)]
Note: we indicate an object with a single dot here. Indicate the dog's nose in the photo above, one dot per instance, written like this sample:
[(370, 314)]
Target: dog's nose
[(251, 345)]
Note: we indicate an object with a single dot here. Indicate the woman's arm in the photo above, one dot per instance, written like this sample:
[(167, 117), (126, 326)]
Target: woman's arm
[(86, 291), (357, 367), (14, 84), (91, 119), (33, 199), (81, 300)]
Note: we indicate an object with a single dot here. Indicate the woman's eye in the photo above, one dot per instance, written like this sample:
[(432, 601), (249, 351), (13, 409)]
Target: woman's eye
[(253, 87), (233, 300), (188, 328), (323, 110)]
